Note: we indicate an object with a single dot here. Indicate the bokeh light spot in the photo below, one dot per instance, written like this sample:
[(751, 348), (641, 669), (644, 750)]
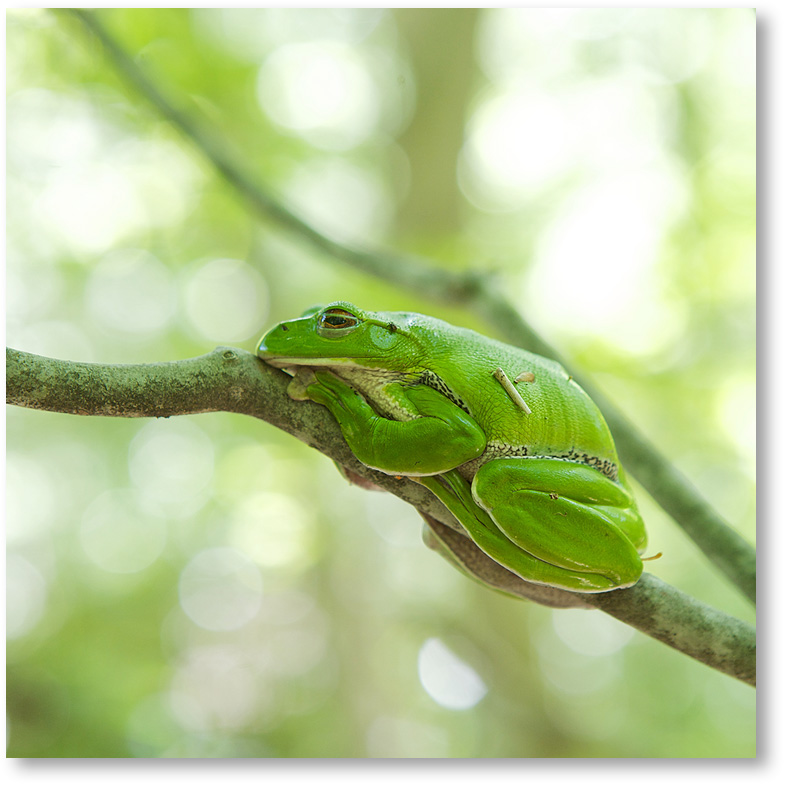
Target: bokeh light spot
[(226, 300), (320, 90), (517, 142), (131, 291), (403, 737), (213, 687), (594, 634), (340, 199), (605, 243), (30, 499), (91, 207), (171, 465), (221, 589), (275, 531), (25, 589), (118, 536), (737, 418), (447, 679)]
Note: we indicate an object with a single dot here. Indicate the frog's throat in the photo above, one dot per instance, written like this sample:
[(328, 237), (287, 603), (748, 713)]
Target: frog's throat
[(359, 377), (350, 370)]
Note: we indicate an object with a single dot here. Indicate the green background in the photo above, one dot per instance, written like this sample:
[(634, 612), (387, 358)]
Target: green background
[(208, 586)]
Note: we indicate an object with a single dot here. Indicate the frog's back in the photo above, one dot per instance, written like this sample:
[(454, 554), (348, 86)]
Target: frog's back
[(561, 421)]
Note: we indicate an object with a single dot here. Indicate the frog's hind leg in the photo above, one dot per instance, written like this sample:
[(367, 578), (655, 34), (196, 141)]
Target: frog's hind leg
[(566, 514), (454, 492)]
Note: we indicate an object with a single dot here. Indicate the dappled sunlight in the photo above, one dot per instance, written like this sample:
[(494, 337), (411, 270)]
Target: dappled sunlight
[(402, 737), (322, 91), (25, 592), (214, 688), (296, 650), (89, 186), (118, 536), (591, 633), (225, 300), (252, 32), (738, 419), (605, 241), (220, 589), (48, 129), (91, 208), (499, 171), (342, 200), (275, 530), (30, 503), (171, 465), (569, 675), (35, 291), (388, 517), (133, 292), (56, 338)]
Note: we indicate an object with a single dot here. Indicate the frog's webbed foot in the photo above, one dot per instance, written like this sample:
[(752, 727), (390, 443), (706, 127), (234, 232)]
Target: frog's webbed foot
[(302, 377)]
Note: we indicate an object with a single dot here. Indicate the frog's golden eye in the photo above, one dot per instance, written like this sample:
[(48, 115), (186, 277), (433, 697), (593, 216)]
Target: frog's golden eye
[(337, 319)]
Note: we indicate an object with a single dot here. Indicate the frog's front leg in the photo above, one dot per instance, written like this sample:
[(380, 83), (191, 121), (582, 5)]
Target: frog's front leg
[(549, 521), (440, 436)]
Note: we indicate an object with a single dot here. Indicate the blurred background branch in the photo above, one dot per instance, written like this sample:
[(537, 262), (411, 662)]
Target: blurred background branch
[(233, 380), (722, 545)]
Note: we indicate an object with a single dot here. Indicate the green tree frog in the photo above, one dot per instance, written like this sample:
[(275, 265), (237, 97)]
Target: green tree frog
[(509, 443)]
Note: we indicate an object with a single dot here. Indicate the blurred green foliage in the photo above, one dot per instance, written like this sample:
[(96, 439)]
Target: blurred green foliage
[(208, 587)]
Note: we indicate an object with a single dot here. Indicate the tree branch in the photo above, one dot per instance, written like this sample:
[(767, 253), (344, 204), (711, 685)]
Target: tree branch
[(234, 380), (701, 522)]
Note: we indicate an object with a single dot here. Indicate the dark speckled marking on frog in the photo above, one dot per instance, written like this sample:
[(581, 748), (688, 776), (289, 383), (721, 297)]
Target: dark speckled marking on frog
[(497, 450), (608, 468), (430, 379)]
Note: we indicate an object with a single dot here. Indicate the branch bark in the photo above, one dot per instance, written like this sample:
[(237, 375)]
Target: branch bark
[(721, 544), (233, 380)]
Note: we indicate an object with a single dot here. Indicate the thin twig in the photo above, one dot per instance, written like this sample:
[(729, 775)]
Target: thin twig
[(234, 380)]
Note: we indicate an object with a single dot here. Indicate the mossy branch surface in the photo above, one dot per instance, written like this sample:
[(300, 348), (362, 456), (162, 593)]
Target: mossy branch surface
[(233, 380)]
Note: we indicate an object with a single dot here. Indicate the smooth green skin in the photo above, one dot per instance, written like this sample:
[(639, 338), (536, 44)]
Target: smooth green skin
[(542, 493)]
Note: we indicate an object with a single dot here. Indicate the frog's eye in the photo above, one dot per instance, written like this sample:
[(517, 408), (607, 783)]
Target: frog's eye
[(337, 319)]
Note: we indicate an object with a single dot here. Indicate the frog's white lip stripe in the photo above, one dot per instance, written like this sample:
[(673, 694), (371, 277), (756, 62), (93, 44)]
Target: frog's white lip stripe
[(284, 362)]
